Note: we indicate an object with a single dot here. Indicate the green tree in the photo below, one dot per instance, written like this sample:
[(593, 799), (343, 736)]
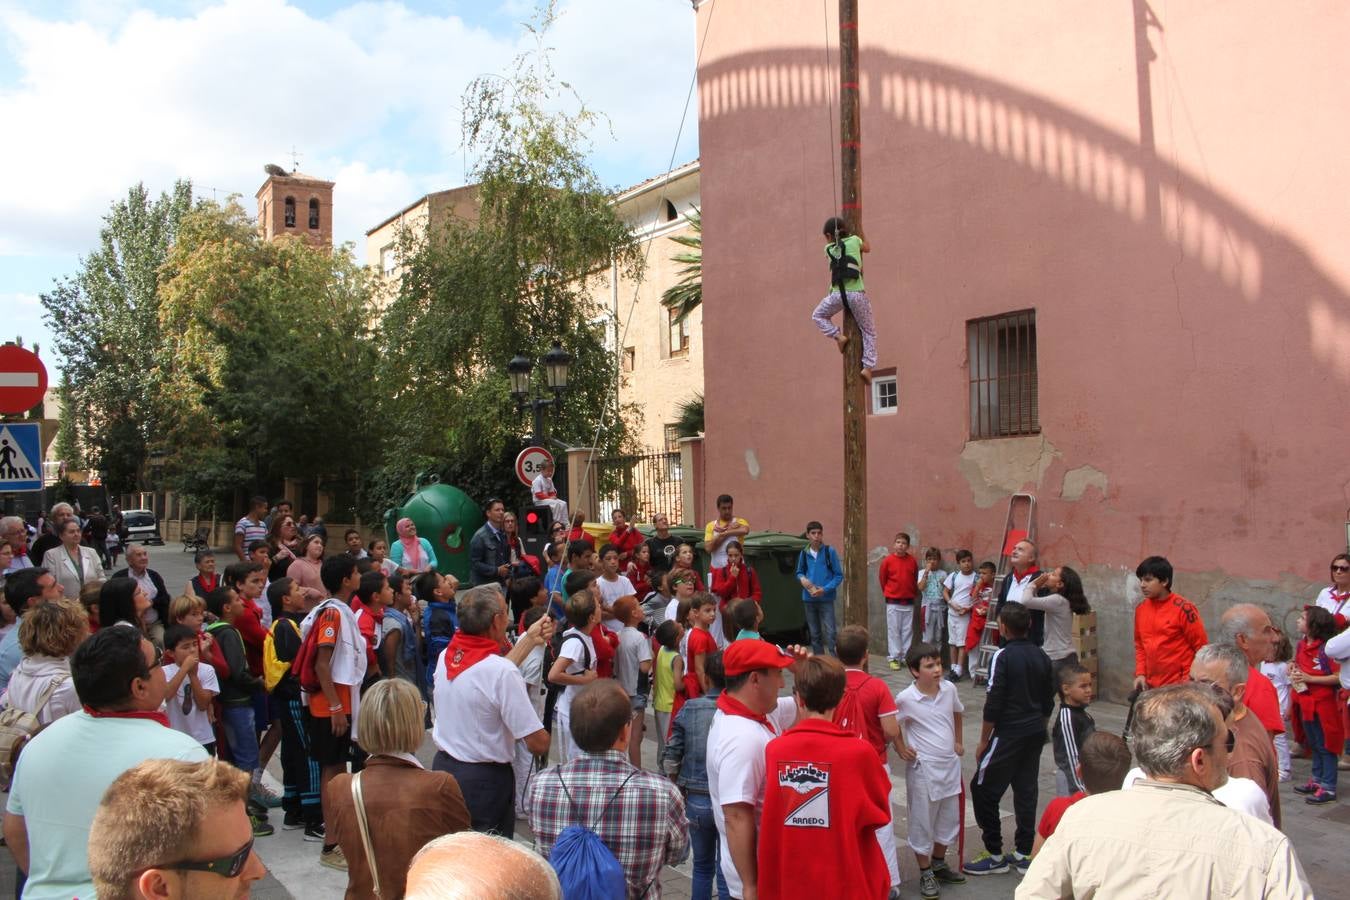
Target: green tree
[(521, 276), (67, 441), (105, 319), (269, 360), (685, 295)]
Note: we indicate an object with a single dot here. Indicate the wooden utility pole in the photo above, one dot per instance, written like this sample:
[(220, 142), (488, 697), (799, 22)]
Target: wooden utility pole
[(855, 396)]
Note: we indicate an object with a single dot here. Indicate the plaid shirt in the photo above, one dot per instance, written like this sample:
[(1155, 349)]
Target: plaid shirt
[(644, 827)]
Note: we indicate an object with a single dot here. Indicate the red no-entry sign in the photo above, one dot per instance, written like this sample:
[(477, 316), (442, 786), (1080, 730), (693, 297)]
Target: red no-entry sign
[(23, 379)]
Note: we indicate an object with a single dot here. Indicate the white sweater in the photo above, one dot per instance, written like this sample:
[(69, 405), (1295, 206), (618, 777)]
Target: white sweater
[(31, 677)]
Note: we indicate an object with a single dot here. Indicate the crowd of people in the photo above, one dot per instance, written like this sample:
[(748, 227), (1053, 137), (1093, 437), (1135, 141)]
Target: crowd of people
[(136, 722)]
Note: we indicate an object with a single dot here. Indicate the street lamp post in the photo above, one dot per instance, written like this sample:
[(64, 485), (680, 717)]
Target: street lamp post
[(556, 362)]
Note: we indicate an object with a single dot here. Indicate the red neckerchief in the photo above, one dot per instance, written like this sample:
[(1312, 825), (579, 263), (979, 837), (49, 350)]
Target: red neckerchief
[(1340, 599), (1031, 571), (211, 585), (155, 715), (467, 650), (733, 707), (358, 606)]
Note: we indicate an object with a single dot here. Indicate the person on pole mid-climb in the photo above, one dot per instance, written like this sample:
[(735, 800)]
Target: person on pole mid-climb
[(845, 251)]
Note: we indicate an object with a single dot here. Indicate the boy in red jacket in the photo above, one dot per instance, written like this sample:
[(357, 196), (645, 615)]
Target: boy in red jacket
[(1167, 629), (899, 577), (824, 798)]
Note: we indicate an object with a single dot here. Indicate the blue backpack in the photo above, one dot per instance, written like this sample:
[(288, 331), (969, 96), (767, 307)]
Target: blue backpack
[(439, 624), (587, 869)]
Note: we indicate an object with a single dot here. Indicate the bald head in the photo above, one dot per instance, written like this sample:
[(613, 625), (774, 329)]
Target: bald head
[(469, 866), (1248, 627)]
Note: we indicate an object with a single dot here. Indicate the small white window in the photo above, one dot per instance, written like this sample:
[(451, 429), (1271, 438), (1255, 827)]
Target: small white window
[(388, 260), (885, 396)]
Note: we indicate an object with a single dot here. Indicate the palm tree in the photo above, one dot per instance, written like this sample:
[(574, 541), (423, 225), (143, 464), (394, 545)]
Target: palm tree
[(684, 296)]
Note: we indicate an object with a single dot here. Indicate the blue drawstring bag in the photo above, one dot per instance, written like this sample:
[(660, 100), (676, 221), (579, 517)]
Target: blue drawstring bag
[(587, 869)]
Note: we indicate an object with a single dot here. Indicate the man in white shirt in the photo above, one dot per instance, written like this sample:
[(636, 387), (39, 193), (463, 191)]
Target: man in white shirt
[(482, 708), (66, 768), (1168, 836), (749, 715), (545, 494)]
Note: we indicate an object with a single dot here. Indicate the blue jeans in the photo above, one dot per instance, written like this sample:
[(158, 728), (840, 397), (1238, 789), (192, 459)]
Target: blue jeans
[(241, 736), (820, 622), (1323, 759), (706, 847)]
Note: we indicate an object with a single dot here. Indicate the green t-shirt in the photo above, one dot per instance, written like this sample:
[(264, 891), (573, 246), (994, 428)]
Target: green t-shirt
[(853, 248)]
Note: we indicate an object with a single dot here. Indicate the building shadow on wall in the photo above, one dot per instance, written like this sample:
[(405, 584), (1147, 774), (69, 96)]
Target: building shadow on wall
[(1037, 158)]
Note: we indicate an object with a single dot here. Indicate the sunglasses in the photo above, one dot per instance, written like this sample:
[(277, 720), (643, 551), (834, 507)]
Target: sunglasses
[(226, 867), (1340, 568)]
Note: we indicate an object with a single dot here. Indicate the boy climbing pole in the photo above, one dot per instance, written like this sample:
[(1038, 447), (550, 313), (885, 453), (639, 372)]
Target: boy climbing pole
[(845, 252)]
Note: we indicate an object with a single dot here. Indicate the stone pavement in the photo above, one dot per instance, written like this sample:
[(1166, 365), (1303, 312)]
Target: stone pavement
[(1320, 834)]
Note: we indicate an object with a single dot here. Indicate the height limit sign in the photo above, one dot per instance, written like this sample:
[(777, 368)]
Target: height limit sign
[(20, 456)]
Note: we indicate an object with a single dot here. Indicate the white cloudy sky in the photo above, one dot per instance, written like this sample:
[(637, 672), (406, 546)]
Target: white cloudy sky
[(99, 94)]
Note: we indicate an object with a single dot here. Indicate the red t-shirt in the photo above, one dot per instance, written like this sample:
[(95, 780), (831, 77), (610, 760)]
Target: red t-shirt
[(700, 642), (824, 798), (874, 700), (605, 641), (251, 629), (899, 577), (1259, 696), (1054, 811), (626, 542), (367, 622)]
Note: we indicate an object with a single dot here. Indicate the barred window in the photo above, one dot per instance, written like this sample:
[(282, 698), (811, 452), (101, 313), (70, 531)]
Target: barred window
[(672, 433), (1002, 361)]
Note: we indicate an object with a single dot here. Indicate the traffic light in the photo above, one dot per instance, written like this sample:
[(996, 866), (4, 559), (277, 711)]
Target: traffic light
[(534, 525)]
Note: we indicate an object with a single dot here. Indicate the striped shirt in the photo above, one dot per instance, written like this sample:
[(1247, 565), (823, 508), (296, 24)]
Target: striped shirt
[(251, 530)]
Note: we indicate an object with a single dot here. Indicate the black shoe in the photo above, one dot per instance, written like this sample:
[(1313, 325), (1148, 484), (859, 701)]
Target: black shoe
[(261, 827), (946, 874), (315, 833), (292, 820)]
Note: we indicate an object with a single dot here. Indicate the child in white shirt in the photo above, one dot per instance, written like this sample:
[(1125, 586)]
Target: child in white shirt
[(1276, 668), (192, 685), (959, 589), (575, 666), (532, 670)]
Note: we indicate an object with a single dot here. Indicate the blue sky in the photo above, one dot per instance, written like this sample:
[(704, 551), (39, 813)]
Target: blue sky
[(99, 94)]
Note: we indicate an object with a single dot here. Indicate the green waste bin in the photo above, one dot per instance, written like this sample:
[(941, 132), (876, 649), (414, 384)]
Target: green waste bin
[(446, 516), (690, 535), (773, 555)]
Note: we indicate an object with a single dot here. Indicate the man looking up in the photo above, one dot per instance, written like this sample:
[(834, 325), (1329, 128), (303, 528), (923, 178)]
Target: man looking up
[(1167, 836), (24, 590), (65, 769), (1253, 756), (1248, 627), (169, 830), (250, 528), (749, 715)]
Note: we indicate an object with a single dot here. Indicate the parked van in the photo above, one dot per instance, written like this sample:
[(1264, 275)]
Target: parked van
[(142, 527)]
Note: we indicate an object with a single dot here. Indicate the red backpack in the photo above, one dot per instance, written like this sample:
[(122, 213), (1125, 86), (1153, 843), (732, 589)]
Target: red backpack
[(849, 714), (303, 664)]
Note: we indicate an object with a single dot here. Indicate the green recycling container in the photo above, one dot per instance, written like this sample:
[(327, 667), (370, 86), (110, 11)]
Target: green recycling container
[(690, 535), (773, 555), (444, 515)]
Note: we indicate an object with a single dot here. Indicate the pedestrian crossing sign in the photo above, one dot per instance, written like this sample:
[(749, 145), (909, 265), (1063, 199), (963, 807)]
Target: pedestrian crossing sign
[(20, 456)]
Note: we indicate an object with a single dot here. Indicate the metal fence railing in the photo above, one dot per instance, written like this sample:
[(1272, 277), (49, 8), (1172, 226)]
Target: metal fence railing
[(641, 485)]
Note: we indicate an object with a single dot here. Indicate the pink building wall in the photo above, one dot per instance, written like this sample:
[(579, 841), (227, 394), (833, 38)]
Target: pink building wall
[(1172, 199)]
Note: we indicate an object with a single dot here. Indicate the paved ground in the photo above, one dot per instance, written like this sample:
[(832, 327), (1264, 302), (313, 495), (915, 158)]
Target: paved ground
[(1319, 833)]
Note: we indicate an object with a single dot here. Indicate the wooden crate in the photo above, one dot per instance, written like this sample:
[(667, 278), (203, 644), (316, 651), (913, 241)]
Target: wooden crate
[(1085, 624), (1085, 643), (1088, 660)]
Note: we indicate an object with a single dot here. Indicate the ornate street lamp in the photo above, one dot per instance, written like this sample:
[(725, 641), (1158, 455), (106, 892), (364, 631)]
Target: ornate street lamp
[(556, 364)]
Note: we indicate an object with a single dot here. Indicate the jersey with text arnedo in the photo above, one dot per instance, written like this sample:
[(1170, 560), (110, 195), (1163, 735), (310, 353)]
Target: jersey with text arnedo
[(824, 798)]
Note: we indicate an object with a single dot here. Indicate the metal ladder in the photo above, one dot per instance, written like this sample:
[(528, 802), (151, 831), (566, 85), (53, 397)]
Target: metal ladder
[(1020, 507)]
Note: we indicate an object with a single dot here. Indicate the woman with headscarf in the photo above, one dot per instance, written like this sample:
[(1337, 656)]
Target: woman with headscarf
[(413, 555)]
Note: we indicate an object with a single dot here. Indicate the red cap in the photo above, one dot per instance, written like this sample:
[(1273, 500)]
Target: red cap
[(749, 654)]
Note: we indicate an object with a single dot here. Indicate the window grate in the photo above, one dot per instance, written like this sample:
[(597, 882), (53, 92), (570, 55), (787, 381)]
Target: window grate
[(1004, 399)]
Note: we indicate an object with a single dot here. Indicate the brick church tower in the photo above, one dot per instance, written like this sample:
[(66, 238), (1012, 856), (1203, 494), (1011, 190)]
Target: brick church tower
[(297, 204)]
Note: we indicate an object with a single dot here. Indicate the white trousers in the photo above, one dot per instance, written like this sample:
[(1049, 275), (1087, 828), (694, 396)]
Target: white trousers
[(558, 509), (562, 733), (930, 821), (523, 765), (886, 836), (899, 630)]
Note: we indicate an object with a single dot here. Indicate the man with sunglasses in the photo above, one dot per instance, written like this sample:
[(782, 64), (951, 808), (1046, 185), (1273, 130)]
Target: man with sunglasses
[(207, 855), (1168, 836), (65, 769), (1253, 755)]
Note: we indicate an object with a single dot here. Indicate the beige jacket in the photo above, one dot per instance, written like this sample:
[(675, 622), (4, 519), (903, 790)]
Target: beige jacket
[(1163, 840)]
